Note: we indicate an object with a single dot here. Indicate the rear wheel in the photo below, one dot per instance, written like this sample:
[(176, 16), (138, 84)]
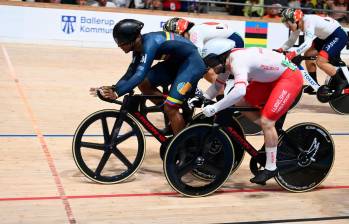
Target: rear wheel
[(305, 157), (341, 104)]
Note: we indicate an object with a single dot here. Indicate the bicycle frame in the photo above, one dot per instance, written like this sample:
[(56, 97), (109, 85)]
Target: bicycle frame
[(135, 106), (243, 143)]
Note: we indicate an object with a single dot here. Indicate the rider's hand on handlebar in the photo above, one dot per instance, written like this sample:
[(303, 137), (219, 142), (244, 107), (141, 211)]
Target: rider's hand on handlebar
[(279, 50), (108, 92), (290, 55)]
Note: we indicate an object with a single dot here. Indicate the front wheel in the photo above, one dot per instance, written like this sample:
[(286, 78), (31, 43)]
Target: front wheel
[(102, 160), (198, 146), (305, 157)]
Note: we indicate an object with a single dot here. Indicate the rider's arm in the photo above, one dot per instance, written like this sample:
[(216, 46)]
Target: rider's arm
[(236, 94), (128, 74), (146, 59), (291, 40), (309, 36), (215, 88)]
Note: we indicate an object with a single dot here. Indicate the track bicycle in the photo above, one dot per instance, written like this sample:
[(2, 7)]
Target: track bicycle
[(109, 145), (324, 93), (304, 159)]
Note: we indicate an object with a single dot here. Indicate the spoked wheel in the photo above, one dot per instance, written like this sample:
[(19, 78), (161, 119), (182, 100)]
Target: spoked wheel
[(238, 150), (101, 160), (248, 126), (195, 147), (304, 158)]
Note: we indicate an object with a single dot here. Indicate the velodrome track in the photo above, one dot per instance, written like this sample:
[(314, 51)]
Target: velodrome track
[(44, 97)]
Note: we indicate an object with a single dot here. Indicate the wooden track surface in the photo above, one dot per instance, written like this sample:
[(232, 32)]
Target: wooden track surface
[(44, 97)]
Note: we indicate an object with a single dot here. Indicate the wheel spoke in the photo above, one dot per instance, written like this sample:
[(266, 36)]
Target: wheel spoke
[(122, 158), (102, 163), (105, 130), (213, 168), (185, 168), (124, 137), (92, 145)]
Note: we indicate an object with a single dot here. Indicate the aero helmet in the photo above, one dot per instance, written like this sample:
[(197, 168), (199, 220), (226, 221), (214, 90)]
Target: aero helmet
[(177, 25), (214, 48), (127, 30), (292, 15)]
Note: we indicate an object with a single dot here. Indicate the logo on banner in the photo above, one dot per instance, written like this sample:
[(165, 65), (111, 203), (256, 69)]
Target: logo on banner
[(68, 23)]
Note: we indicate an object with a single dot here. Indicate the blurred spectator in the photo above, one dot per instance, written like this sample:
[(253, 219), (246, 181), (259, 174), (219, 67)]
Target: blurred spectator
[(121, 3), (153, 4), (103, 3), (307, 4), (171, 5), (340, 5), (255, 9), (281, 2), (320, 5), (273, 12), (236, 10), (138, 4), (294, 4)]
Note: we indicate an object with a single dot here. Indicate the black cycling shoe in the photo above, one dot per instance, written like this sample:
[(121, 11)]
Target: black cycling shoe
[(263, 176), (309, 90)]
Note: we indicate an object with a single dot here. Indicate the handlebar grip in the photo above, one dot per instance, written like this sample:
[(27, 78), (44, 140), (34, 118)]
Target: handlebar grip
[(107, 100)]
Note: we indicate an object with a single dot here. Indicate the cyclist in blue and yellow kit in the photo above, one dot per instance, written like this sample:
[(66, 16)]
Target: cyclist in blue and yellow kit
[(182, 67)]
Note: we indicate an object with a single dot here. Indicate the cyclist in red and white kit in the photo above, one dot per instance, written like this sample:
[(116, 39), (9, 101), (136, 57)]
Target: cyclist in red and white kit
[(323, 36), (262, 77), (199, 34)]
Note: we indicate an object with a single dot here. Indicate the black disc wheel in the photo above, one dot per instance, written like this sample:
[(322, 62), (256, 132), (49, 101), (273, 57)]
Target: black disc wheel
[(102, 160), (304, 158), (340, 104), (198, 146), (200, 118)]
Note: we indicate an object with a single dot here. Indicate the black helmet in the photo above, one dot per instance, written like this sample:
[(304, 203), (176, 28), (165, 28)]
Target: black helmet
[(127, 30)]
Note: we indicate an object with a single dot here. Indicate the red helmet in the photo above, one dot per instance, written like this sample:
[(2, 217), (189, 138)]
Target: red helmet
[(292, 15), (177, 25)]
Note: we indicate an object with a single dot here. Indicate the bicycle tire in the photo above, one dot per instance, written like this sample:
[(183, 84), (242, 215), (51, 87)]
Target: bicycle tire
[(90, 146), (303, 171), (185, 153), (341, 104), (239, 151)]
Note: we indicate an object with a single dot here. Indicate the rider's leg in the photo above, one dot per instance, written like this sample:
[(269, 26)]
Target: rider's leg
[(311, 68), (147, 89), (283, 93), (254, 116), (175, 117), (331, 49)]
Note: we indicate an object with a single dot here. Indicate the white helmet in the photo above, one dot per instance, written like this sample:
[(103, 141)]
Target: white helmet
[(214, 48)]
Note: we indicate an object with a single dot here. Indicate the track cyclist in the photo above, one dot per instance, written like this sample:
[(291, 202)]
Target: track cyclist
[(262, 77), (324, 37), (199, 34), (182, 69)]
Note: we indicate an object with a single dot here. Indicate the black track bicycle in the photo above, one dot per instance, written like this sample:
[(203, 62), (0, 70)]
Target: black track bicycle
[(305, 155), (109, 145)]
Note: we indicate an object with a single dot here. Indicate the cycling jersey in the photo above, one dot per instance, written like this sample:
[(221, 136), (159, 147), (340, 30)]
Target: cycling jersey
[(185, 62), (266, 67), (201, 33), (314, 27)]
